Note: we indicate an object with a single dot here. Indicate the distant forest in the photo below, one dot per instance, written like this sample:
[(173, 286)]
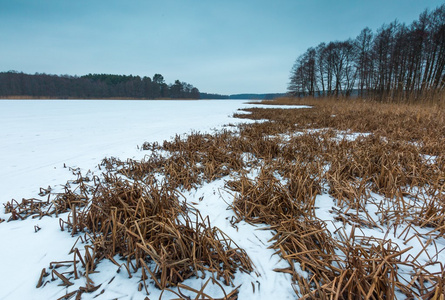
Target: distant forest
[(397, 62), (243, 96), (92, 86)]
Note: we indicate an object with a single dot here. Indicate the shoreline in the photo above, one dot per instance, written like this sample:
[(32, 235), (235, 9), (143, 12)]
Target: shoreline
[(75, 98)]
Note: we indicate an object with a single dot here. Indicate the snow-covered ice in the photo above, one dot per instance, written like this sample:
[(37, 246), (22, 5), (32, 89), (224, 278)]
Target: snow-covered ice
[(39, 137)]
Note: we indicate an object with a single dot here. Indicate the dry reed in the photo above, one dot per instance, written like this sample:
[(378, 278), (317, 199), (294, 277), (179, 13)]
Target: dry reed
[(297, 155)]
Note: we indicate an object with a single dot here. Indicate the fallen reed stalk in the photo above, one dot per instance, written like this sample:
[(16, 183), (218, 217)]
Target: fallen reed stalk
[(148, 228), (386, 156)]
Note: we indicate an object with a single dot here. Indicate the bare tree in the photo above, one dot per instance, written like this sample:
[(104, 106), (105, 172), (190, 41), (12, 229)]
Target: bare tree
[(363, 47), (397, 62)]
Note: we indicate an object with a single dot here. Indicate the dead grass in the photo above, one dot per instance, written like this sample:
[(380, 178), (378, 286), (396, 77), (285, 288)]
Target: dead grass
[(278, 168), (148, 229), (401, 159)]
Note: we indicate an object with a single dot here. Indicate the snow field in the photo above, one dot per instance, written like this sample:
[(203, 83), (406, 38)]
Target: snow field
[(114, 132), (38, 138)]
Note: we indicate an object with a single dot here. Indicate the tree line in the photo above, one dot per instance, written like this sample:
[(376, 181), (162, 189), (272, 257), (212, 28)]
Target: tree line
[(398, 61), (268, 96), (91, 86)]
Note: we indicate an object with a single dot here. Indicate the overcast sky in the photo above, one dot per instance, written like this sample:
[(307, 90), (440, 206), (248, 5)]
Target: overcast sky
[(219, 46)]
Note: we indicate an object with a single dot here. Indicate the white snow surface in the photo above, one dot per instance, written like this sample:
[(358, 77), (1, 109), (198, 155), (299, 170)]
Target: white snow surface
[(39, 137)]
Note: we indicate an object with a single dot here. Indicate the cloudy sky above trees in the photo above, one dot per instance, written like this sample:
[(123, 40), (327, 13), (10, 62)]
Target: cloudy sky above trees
[(221, 46)]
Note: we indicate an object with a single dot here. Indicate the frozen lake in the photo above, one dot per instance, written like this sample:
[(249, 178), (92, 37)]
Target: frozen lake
[(38, 136)]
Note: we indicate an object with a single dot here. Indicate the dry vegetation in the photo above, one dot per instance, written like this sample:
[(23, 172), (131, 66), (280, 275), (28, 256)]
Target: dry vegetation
[(390, 177)]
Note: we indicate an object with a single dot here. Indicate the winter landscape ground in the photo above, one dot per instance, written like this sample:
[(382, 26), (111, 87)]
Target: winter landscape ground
[(40, 137), (324, 199)]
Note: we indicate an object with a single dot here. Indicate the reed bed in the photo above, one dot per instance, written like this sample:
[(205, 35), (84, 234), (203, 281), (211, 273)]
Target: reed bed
[(149, 230), (382, 164), (59, 203), (266, 200), (188, 162), (400, 157)]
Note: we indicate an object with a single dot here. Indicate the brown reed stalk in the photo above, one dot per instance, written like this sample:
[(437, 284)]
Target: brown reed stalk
[(299, 154)]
